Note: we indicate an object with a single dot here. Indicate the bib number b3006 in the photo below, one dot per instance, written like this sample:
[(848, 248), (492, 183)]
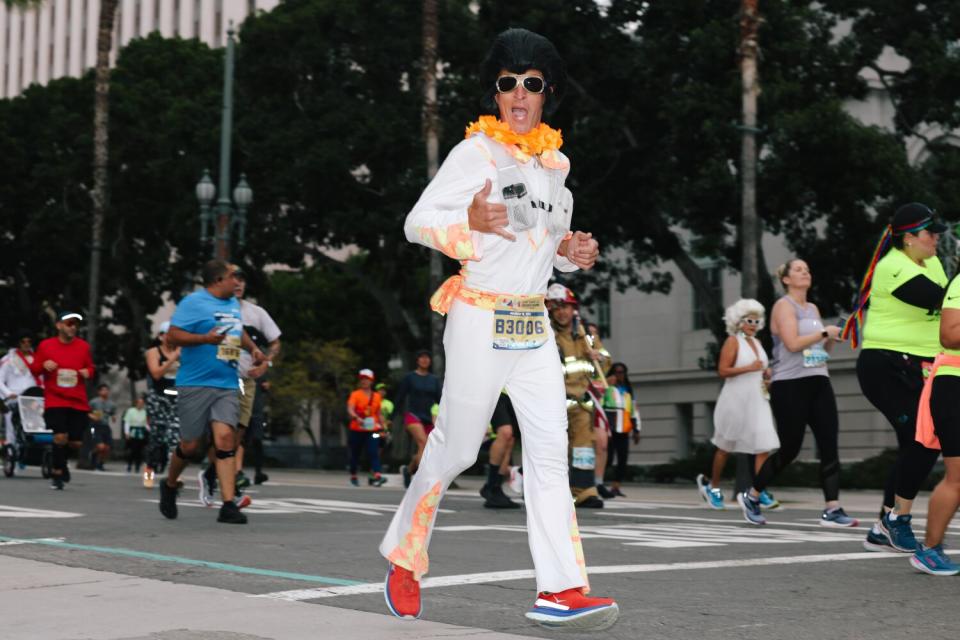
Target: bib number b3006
[(519, 322)]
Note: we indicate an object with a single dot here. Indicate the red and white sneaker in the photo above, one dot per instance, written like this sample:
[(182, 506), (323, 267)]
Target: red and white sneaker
[(243, 502), (571, 609), (402, 593)]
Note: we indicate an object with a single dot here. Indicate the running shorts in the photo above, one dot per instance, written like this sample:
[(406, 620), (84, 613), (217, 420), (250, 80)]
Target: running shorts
[(73, 422), (197, 407)]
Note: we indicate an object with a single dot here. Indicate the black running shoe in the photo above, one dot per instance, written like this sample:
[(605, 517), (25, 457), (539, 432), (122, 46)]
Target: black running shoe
[(242, 480), (66, 474), (605, 493), (56, 483), (497, 499), (260, 478), (230, 514), (168, 500), (593, 502)]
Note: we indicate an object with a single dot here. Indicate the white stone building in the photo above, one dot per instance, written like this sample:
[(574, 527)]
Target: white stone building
[(60, 38)]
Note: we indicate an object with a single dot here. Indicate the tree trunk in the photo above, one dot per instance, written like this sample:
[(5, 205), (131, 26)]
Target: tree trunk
[(101, 156), (431, 136), (749, 226)]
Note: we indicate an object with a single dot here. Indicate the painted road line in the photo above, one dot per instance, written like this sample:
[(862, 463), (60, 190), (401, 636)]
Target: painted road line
[(528, 574), (10, 511), (157, 557), (306, 505), (12, 543)]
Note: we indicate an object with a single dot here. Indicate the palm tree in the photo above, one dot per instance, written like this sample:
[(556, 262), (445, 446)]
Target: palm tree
[(101, 119)]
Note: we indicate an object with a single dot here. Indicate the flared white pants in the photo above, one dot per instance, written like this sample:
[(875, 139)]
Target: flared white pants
[(475, 375)]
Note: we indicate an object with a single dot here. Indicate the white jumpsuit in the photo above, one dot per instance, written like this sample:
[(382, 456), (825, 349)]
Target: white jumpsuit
[(476, 372)]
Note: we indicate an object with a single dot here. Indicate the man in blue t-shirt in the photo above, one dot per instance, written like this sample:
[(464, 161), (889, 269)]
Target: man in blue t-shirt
[(208, 327)]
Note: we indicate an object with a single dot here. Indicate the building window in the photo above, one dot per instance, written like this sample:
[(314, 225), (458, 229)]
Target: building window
[(601, 308), (683, 443), (218, 24), (714, 276), (83, 33), (196, 18)]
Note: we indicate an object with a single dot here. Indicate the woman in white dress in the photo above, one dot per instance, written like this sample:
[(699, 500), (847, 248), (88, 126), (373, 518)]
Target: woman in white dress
[(743, 422)]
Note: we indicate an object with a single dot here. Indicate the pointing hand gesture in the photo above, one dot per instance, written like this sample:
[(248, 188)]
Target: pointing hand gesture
[(485, 217)]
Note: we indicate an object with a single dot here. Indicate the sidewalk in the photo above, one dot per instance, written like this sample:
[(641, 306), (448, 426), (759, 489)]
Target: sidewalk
[(45, 601)]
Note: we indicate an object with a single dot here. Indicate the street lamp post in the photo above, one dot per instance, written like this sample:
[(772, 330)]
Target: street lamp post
[(225, 215)]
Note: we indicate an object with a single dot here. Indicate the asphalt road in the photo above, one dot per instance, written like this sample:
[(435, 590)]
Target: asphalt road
[(677, 569)]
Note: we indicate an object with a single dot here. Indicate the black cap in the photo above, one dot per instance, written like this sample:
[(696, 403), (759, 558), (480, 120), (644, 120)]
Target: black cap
[(423, 352), (69, 315), (914, 217)]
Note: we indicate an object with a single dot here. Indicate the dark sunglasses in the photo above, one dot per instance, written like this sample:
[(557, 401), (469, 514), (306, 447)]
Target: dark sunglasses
[(532, 84)]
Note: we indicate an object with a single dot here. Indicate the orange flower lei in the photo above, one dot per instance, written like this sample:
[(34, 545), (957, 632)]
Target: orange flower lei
[(541, 138)]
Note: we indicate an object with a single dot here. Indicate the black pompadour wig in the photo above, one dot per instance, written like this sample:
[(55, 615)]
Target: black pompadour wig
[(518, 50)]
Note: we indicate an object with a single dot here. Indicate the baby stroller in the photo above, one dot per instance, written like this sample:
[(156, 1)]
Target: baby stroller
[(34, 442)]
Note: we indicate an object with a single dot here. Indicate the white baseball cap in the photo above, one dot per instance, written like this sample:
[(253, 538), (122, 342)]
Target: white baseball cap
[(366, 373)]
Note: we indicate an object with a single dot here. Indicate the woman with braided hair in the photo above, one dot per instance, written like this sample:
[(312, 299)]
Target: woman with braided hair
[(904, 286)]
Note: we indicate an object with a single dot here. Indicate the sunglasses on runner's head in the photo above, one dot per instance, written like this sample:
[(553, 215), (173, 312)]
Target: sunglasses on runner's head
[(753, 321), (532, 84)]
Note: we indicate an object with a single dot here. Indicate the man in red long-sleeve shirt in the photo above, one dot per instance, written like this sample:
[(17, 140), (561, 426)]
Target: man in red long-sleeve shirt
[(64, 364)]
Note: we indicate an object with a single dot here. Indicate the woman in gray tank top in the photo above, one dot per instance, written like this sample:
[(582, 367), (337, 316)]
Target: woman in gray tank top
[(801, 394)]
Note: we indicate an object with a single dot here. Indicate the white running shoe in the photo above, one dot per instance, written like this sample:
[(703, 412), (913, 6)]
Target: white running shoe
[(206, 491), (515, 483)]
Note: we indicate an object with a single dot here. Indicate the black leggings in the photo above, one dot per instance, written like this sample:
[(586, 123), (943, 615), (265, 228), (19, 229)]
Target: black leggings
[(796, 404), (135, 452), (892, 382), (619, 447)]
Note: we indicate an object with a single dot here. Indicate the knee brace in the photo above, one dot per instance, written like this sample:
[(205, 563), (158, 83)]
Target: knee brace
[(223, 455)]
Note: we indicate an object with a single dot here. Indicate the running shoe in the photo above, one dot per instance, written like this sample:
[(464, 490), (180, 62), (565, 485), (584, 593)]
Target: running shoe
[(837, 518), (260, 478), (168, 500), (767, 501), (376, 481), (877, 540), (66, 474), (571, 609), (405, 472), (590, 502), (751, 509), (616, 491), (56, 483), (230, 514), (242, 481), (402, 593), (354, 481), (206, 491), (899, 533), (495, 498), (713, 497), (148, 479), (516, 480), (605, 493), (242, 501), (934, 561)]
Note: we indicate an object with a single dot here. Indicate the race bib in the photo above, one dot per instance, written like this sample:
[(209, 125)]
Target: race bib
[(815, 356), (67, 378), (519, 322), (369, 424), (584, 458), (229, 349)]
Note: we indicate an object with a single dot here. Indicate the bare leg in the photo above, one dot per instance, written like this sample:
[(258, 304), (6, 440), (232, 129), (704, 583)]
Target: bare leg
[(719, 462), (600, 443), (419, 436), (943, 503), (224, 440)]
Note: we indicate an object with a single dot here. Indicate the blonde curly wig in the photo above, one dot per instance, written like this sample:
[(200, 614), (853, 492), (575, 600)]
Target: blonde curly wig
[(739, 310)]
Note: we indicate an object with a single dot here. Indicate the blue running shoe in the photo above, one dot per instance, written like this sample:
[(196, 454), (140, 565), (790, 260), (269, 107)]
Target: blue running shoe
[(934, 561), (767, 501), (877, 540), (837, 518), (899, 533), (713, 497), (751, 509), (354, 481)]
